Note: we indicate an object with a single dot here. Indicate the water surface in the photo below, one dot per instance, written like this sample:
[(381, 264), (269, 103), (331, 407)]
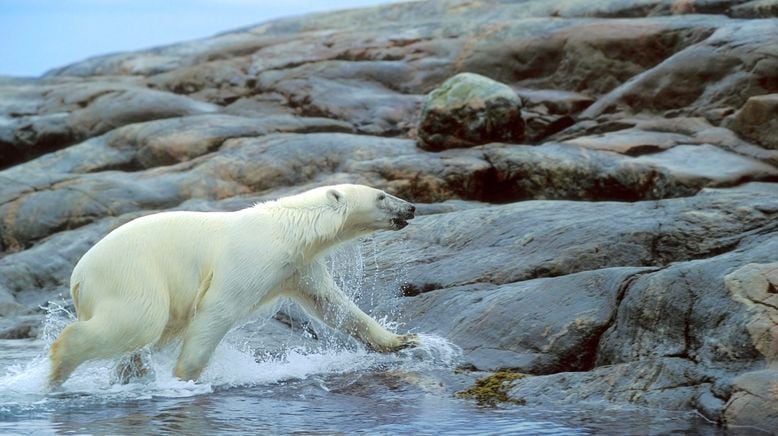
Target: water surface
[(319, 392), (301, 386)]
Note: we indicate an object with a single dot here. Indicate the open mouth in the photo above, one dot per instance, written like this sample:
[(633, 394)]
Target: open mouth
[(398, 223), (401, 220)]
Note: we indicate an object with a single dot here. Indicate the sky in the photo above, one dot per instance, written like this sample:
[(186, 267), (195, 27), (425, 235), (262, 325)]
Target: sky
[(38, 35)]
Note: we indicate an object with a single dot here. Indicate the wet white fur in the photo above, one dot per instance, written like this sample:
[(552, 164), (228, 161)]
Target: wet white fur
[(194, 275)]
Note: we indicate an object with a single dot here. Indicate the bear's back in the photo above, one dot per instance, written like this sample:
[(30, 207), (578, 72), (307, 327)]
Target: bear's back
[(173, 245)]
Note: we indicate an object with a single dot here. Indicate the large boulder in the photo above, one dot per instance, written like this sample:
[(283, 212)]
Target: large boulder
[(470, 109)]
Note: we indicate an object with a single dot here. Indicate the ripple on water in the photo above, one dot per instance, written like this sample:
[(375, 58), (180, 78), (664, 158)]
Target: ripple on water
[(327, 389), (23, 384)]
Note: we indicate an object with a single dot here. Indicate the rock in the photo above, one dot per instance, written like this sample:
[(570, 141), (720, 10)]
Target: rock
[(164, 142), (220, 81), (8, 305), (754, 394), (557, 172), (753, 403), (32, 136), (665, 334), (758, 120), (468, 110), (718, 167), (163, 59), (702, 76), (41, 273), (554, 101), (448, 260), (567, 314), (120, 108), (756, 9), (259, 105), (60, 119), (540, 126), (755, 286), (20, 327), (647, 134), (553, 171), (685, 310), (670, 383), (495, 173), (632, 142), (368, 93), (717, 115), (587, 56), (625, 257)]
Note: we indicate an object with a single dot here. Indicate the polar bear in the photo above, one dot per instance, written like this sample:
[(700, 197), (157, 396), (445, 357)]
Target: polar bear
[(194, 275)]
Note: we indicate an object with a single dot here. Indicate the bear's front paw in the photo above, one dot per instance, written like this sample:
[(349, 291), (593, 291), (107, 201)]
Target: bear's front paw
[(405, 341), (409, 341), (399, 342)]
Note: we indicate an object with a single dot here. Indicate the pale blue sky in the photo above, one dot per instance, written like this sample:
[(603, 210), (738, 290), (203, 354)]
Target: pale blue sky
[(37, 35)]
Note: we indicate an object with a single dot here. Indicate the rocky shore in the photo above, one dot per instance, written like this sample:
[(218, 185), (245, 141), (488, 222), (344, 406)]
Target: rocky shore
[(598, 181)]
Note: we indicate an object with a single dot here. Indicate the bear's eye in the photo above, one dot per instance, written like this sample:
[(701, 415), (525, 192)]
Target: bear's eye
[(381, 197)]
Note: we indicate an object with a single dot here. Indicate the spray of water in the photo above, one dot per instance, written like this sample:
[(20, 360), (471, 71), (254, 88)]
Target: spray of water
[(235, 362)]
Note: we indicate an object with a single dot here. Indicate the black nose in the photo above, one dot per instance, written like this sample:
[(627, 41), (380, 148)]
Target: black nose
[(413, 208)]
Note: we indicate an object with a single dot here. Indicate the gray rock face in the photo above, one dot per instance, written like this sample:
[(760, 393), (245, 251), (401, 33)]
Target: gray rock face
[(703, 76), (641, 310), (599, 210), (469, 109), (65, 113)]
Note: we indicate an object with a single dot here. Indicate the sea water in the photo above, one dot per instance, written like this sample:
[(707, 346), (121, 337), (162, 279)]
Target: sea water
[(327, 388)]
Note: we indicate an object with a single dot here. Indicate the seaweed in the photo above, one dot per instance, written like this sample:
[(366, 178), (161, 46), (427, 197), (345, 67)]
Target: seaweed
[(493, 389)]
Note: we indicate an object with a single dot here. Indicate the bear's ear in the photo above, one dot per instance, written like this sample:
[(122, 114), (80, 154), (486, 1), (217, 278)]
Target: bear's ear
[(334, 196)]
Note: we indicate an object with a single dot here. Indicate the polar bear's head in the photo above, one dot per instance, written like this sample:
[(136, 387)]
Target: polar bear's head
[(327, 216), (367, 209)]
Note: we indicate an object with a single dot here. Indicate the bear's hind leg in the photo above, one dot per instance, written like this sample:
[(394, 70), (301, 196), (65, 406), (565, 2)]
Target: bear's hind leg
[(66, 353), (112, 331)]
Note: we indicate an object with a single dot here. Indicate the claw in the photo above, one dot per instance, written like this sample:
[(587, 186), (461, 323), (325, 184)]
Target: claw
[(403, 342), (411, 340), (408, 341)]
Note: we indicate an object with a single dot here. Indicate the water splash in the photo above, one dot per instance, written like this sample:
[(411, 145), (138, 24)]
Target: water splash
[(231, 366), (57, 317), (234, 364)]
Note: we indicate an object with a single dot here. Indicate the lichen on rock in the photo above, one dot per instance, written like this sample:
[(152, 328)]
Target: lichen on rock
[(469, 109)]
